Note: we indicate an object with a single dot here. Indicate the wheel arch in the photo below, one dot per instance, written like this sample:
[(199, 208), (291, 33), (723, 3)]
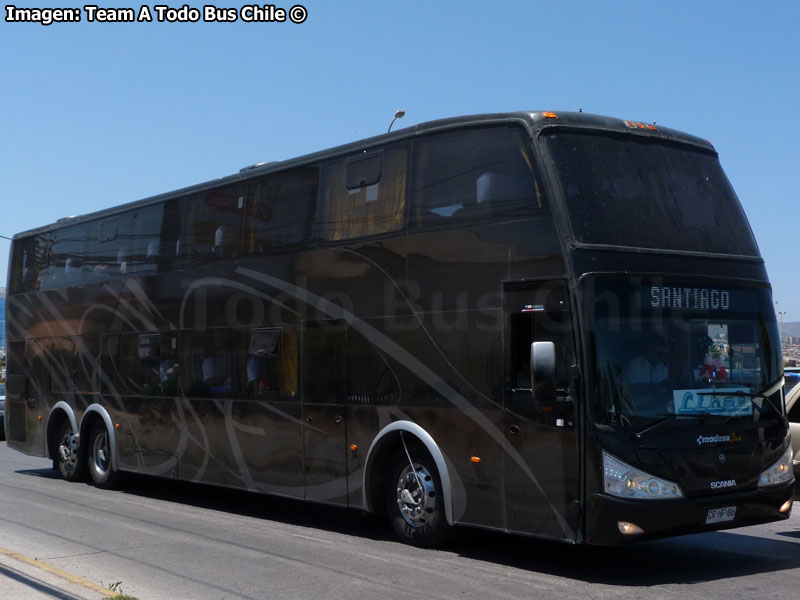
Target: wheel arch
[(95, 413), (388, 441), (61, 410)]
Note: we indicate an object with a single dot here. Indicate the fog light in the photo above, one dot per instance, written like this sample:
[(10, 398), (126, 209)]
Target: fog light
[(786, 506), (629, 528)]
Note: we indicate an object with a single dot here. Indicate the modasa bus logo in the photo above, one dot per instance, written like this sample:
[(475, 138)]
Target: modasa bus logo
[(717, 439)]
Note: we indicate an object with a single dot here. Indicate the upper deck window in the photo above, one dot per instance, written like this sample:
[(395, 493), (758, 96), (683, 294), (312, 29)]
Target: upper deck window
[(641, 192), (212, 226), (29, 259), (471, 175), (363, 195), (65, 259), (124, 244), (279, 210)]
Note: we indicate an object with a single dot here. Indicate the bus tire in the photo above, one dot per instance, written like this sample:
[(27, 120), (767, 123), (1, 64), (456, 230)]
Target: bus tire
[(66, 458), (98, 455), (414, 500)]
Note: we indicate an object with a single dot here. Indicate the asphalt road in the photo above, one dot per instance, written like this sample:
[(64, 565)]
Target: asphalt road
[(168, 541)]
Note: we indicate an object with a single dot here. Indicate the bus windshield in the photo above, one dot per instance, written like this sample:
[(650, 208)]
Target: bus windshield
[(627, 190), (685, 349)]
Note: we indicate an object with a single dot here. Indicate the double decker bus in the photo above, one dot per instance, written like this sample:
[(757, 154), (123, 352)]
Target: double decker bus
[(552, 324)]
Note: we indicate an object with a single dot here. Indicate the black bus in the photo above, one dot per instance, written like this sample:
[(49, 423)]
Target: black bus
[(557, 325)]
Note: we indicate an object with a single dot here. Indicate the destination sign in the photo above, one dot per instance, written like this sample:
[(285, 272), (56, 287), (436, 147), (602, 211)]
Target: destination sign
[(689, 298)]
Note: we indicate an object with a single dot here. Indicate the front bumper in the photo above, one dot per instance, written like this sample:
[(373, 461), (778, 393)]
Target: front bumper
[(661, 518)]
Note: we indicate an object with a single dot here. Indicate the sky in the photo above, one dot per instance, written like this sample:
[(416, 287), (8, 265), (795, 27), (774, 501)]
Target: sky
[(98, 114)]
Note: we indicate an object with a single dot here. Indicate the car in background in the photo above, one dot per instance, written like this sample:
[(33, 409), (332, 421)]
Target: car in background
[(2, 411), (793, 410), (791, 379)]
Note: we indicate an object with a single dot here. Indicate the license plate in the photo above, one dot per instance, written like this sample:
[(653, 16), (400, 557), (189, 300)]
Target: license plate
[(720, 515)]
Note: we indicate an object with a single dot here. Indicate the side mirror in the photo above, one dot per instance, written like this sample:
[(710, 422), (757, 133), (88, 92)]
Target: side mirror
[(543, 371), (557, 410)]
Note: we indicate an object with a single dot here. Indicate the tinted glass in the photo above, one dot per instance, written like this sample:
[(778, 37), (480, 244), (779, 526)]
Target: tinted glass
[(641, 192), (29, 259), (677, 348), (208, 369), (65, 260), (212, 226), (126, 244), (73, 364), (139, 365), (364, 171), (280, 211), (170, 242), (324, 363), (271, 364), (474, 174), (370, 209), (370, 380)]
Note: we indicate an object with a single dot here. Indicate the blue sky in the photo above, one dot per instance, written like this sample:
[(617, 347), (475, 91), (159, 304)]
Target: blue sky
[(96, 114)]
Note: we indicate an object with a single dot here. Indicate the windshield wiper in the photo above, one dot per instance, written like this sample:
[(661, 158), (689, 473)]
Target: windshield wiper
[(670, 417), (751, 395)]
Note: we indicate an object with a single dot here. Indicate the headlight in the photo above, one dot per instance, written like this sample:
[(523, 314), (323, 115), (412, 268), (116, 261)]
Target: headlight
[(625, 481), (780, 472)]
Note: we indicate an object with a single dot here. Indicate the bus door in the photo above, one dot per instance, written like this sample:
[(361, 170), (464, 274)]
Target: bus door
[(542, 459), (324, 426), (21, 406), (24, 399)]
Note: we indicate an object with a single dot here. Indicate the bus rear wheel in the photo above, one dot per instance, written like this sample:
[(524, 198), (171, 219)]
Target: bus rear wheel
[(414, 500), (66, 458), (98, 451)]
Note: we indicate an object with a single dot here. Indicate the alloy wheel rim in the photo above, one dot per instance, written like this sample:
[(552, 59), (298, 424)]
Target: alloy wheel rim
[(416, 495), (100, 454)]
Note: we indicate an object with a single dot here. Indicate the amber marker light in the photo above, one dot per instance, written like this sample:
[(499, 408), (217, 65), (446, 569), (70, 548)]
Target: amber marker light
[(40, 417), (550, 115), (476, 459), (786, 506), (116, 425), (353, 447)]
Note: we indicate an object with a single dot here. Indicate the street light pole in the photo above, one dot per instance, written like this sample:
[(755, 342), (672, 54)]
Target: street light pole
[(780, 331)]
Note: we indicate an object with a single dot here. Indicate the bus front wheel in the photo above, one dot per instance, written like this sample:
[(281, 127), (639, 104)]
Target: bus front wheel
[(414, 500), (98, 451)]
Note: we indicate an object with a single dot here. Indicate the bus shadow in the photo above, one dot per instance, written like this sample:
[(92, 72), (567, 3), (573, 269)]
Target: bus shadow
[(687, 559), (260, 506)]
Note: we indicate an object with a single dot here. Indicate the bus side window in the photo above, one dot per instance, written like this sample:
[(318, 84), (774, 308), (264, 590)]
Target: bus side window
[(472, 174), (363, 196), (139, 231), (170, 236), (65, 261), (280, 211), (102, 249), (122, 374), (370, 379), (538, 314), (73, 364), (324, 362), (271, 364), (207, 368), (27, 257), (212, 226)]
